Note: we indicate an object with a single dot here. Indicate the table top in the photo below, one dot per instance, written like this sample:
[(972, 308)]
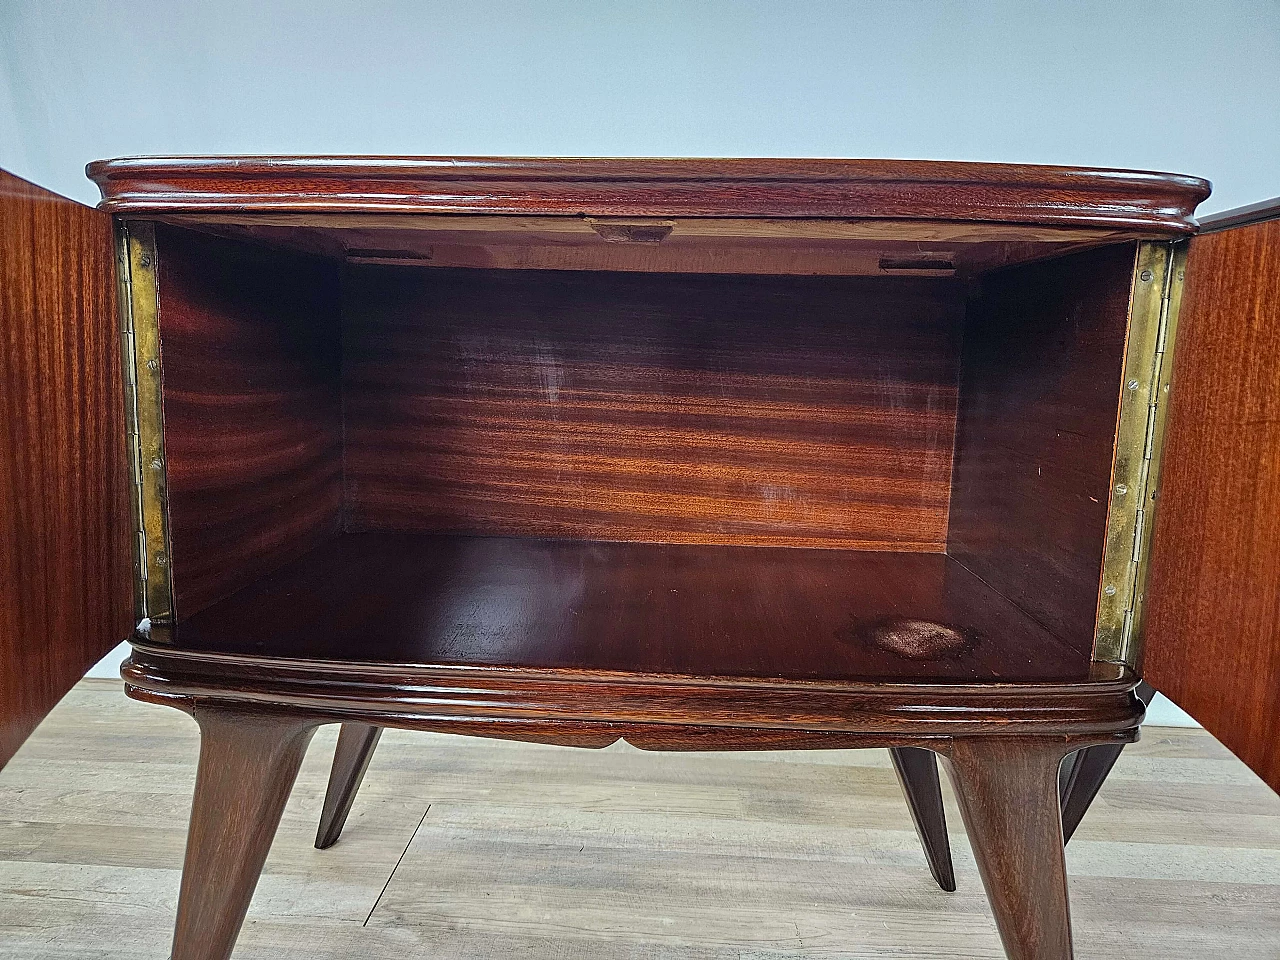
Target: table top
[(1140, 203)]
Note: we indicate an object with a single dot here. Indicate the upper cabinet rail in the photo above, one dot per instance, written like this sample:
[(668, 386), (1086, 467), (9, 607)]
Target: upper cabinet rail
[(1141, 204)]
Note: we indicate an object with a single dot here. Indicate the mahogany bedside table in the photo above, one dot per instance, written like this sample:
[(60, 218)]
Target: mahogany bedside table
[(700, 454)]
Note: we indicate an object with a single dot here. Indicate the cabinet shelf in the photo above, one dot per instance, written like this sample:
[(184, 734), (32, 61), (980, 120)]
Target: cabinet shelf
[(635, 608)]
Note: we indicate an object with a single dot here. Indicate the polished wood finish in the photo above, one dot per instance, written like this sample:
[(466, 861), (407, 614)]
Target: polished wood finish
[(636, 609), (1213, 626), (882, 247), (248, 762), (917, 772), (252, 410), (1007, 788), (1247, 215), (1035, 434), (734, 410), (356, 744), (1084, 772), (65, 568), (574, 506), (1152, 204)]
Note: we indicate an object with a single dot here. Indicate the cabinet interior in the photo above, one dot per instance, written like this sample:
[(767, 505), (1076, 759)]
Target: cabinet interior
[(769, 455)]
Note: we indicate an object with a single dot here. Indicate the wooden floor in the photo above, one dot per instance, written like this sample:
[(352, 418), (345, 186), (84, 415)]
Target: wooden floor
[(463, 848)]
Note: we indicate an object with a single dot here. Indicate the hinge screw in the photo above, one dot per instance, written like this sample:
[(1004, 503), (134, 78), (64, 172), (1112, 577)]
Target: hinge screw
[(1121, 489), (156, 463), (153, 364), (1109, 589), (1146, 276), (1133, 384), (161, 560), (145, 260)]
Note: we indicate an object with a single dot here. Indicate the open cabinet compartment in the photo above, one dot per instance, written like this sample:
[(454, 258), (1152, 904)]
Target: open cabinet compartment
[(899, 474)]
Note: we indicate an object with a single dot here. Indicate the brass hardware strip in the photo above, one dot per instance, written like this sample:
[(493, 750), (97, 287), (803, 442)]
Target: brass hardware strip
[(144, 417), (1148, 367)]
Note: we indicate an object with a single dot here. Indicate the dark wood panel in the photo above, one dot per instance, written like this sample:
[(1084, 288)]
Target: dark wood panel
[(637, 608), (66, 583), (1213, 626), (253, 409), (1150, 204), (787, 411), (842, 248), (1040, 384)]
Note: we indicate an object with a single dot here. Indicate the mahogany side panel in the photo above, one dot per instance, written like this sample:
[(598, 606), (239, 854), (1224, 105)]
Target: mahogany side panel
[(1039, 393), (706, 409), (1150, 204), (66, 582), (251, 354), (1213, 627)]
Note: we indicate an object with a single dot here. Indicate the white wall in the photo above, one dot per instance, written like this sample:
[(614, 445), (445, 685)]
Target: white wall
[(1187, 87)]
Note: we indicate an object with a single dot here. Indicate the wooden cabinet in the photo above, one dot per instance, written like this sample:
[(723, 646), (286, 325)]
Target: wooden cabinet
[(701, 454)]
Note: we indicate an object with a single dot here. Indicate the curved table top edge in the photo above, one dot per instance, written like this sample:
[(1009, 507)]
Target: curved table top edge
[(1149, 204)]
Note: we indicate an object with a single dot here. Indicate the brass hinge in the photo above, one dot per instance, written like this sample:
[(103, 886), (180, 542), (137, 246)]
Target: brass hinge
[(1148, 368), (140, 353)]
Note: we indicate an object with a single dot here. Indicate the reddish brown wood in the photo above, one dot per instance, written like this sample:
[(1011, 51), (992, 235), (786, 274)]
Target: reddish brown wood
[(1035, 432), (248, 762), (356, 743), (657, 609), (1149, 203), (917, 772), (783, 411), (1213, 622), (66, 588), (1007, 788), (496, 700), (252, 409)]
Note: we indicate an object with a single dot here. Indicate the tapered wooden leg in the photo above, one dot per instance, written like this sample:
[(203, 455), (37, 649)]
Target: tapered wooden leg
[(1084, 772), (1008, 793), (356, 743), (918, 773), (248, 762)]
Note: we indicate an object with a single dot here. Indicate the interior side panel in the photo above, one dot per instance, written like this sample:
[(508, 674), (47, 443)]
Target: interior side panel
[(1040, 381), (250, 346)]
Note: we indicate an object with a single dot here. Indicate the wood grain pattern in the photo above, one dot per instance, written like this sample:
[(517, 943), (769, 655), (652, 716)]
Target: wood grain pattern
[(253, 410), (638, 609), (689, 245), (248, 763), (1039, 394), (1007, 788), (814, 412), (1213, 630), (66, 579), (1152, 204), (356, 744)]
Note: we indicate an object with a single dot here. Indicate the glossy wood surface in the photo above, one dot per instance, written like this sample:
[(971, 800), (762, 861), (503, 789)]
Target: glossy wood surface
[(1213, 627), (917, 771), (780, 411), (252, 407), (1007, 789), (356, 744), (634, 608), (1151, 204), (1039, 394), (248, 762), (66, 589), (819, 247)]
